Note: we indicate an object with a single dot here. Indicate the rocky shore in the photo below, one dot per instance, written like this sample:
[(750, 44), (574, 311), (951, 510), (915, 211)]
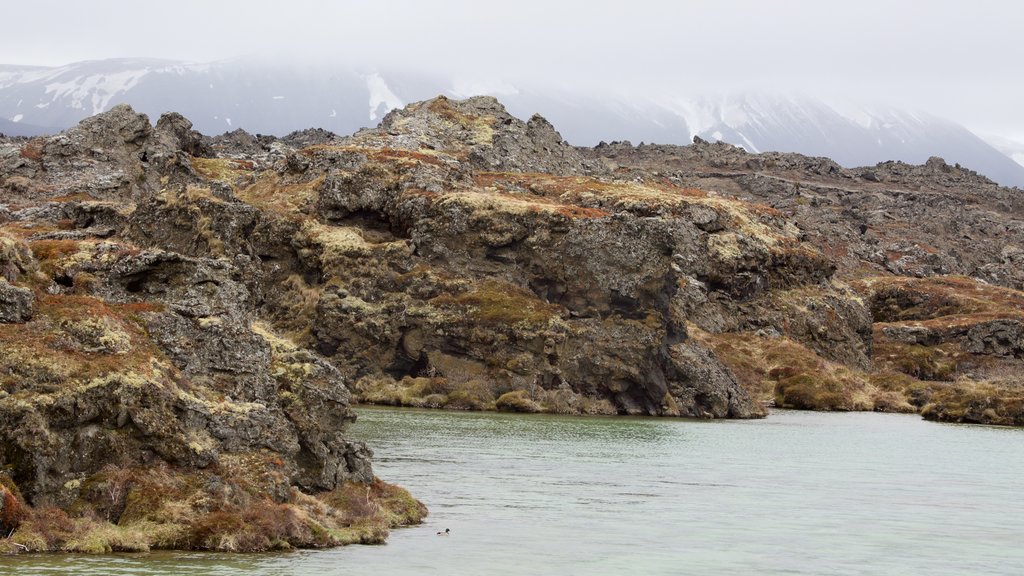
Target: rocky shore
[(186, 320)]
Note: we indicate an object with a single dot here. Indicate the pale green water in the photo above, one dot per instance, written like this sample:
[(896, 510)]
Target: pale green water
[(798, 493)]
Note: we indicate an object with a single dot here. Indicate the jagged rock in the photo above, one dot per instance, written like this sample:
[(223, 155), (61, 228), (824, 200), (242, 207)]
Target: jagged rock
[(932, 219), (16, 303), (704, 387), (240, 142), (492, 138), (999, 338), (309, 137), (178, 132)]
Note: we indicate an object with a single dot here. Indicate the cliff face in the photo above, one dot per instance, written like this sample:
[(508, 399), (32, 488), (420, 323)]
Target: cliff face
[(138, 384), (433, 264), (933, 250)]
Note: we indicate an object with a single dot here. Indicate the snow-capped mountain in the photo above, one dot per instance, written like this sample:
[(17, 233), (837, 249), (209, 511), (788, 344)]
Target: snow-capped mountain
[(277, 99)]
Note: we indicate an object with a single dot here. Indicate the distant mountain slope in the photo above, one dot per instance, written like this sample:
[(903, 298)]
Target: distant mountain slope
[(277, 99), (1011, 147), (11, 128)]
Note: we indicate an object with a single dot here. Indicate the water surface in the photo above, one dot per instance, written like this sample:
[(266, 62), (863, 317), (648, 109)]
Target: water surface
[(797, 493)]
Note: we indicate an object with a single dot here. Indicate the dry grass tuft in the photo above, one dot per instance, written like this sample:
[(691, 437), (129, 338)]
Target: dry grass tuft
[(498, 303)]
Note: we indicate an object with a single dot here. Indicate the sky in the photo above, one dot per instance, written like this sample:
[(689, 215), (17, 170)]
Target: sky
[(961, 60)]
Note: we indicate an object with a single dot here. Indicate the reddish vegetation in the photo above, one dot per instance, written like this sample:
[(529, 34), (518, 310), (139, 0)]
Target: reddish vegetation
[(942, 301), (52, 249), (142, 307), (33, 150), (11, 511), (79, 197), (381, 155)]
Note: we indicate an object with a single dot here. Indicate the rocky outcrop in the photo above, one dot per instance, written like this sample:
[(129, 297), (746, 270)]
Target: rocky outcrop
[(893, 218), (16, 303), (133, 355), (927, 247), (195, 315)]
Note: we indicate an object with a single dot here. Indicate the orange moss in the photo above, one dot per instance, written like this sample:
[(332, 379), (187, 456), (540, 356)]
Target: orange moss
[(257, 527), (53, 249), (43, 353), (33, 149), (377, 155), (12, 511), (443, 108)]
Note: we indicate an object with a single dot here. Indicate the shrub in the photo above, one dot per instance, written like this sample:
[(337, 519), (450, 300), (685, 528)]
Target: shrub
[(12, 511)]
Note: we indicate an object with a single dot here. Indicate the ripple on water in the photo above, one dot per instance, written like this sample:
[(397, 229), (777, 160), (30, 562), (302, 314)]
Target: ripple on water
[(798, 493)]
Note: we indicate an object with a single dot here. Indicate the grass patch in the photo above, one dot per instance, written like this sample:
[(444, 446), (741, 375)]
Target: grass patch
[(997, 403), (517, 401), (275, 195), (226, 170), (494, 303), (171, 508), (940, 362), (788, 374)]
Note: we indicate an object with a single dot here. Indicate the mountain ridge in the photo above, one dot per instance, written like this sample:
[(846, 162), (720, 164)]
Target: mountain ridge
[(277, 99)]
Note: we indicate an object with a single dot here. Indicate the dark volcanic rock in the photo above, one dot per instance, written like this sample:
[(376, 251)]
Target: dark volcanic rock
[(893, 218), (202, 307), (16, 304)]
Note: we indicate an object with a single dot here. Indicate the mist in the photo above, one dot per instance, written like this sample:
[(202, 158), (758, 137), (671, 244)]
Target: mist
[(943, 57)]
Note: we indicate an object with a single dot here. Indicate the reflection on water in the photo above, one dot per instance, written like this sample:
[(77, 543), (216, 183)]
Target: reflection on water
[(798, 493)]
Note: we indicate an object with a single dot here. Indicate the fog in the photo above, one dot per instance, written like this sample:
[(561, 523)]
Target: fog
[(954, 59)]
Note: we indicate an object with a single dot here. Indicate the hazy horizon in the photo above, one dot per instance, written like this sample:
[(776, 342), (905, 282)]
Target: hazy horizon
[(942, 58)]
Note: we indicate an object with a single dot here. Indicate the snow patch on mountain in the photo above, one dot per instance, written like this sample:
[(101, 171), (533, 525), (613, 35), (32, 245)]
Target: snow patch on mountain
[(382, 99), (260, 97), (97, 91)]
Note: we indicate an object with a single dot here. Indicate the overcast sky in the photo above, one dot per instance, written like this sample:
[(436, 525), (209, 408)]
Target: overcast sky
[(963, 60)]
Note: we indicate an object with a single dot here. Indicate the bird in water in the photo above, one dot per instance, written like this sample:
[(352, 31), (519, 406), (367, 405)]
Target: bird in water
[(445, 533)]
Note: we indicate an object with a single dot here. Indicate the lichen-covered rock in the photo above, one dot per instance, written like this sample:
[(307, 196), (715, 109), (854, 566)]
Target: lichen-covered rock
[(16, 303), (186, 318)]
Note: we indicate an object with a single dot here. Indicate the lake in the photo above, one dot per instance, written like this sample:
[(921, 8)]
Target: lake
[(797, 493)]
